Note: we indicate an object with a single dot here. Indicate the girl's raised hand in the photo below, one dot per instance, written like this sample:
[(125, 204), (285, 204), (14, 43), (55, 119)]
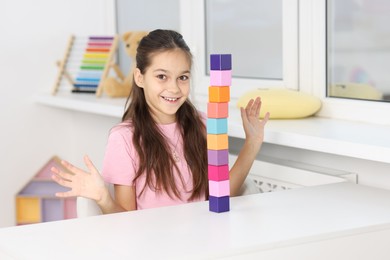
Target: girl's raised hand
[(253, 126), (81, 183)]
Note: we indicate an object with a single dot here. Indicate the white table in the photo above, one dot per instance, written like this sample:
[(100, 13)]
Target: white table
[(335, 221)]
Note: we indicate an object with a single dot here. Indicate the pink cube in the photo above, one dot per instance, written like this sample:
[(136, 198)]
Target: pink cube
[(220, 77), (218, 110), (218, 173), (219, 188)]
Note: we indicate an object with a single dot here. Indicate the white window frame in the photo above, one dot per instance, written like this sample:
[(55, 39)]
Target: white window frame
[(110, 16), (312, 70), (193, 29)]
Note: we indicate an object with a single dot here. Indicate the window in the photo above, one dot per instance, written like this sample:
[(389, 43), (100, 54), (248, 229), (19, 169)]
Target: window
[(319, 65), (256, 55), (264, 47), (358, 49), (308, 66), (133, 15)]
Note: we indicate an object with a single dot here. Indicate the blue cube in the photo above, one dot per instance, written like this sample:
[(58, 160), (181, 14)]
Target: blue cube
[(217, 126)]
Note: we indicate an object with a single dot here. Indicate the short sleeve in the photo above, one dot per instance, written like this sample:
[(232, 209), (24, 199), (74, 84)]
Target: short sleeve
[(118, 164), (203, 117)]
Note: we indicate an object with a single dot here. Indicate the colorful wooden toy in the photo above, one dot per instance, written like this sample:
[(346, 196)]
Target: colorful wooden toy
[(217, 126), (219, 188), (219, 94), (218, 157), (86, 63), (36, 201), (220, 62), (220, 77), (218, 173), (217, 137), (218, 110), (217, 142), (219, 204)]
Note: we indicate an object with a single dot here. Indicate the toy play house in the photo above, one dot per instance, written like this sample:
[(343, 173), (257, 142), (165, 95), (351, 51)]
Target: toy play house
[(37, 202)]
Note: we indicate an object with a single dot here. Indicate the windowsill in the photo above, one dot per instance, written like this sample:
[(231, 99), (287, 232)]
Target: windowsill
[(340, 137)]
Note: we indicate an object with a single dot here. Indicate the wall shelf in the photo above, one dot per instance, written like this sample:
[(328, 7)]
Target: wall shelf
[(84, 102), (340, 137)]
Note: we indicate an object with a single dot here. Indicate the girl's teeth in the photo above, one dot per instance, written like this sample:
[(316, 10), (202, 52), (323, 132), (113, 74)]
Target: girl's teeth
[(170, 99)]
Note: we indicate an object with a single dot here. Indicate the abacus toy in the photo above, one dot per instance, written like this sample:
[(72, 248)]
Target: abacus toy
[(217, 129), (86, 63)]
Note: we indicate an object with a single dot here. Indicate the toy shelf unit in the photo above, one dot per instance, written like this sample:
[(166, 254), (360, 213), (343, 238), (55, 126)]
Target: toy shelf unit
[(86, 63), (36, 201)]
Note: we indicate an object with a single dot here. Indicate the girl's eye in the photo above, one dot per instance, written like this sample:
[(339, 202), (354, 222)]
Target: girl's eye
[(161, 76), (183, 78)]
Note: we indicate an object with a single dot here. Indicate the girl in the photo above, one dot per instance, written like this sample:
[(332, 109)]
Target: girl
[(157, 156)]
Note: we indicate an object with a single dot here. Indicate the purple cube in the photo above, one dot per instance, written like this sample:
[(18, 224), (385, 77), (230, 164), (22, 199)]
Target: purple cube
[(219, 204), (220, 62), (218, 157)]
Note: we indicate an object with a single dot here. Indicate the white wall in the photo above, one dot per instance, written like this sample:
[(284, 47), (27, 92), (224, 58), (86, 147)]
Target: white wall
[(33, 37)]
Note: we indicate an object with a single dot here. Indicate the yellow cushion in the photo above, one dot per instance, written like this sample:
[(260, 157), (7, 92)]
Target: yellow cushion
[(355, 90), (283, 103)]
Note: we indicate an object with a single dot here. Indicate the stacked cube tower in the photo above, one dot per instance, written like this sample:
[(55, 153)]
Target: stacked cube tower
[(217, 132)]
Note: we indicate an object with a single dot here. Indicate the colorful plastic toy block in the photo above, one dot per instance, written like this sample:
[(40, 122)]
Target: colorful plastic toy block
[(217, 127), (219, 94), (218, 172), (36, 202), (220, 77), (218, 110), (217, 142), (219, 188), (218, 157), (220, 62), (219, 204)]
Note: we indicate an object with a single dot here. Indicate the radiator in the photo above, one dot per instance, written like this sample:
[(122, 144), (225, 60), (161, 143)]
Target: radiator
[(275, 175)]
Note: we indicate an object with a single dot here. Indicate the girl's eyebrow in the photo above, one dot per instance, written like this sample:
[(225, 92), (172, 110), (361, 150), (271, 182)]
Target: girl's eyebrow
[(160, 70), (166, 71)]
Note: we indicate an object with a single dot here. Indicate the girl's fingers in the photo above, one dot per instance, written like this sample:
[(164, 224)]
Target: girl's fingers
[(255, 104), (61, 181), (65, 194), (253, 107), (70, 167), (249, 105), (257, 107), (243, 115), (64, 175), (91, 167), (265, 119)]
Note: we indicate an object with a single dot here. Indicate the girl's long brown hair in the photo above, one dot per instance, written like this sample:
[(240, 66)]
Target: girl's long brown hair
[(155, 159)]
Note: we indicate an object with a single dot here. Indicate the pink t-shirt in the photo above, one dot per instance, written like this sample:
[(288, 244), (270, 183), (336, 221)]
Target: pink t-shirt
[(121, 163)]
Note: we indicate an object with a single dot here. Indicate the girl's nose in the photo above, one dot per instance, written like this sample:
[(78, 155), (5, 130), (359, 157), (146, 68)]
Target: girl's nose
[(173, 87)]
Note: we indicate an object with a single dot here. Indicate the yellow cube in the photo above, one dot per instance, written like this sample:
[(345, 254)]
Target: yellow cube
[(217, 142)]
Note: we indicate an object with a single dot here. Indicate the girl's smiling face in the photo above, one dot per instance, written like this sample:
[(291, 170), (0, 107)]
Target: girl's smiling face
[(166, 84)]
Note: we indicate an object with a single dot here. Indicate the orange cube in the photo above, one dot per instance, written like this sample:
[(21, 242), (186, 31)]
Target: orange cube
[(219, 94)]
